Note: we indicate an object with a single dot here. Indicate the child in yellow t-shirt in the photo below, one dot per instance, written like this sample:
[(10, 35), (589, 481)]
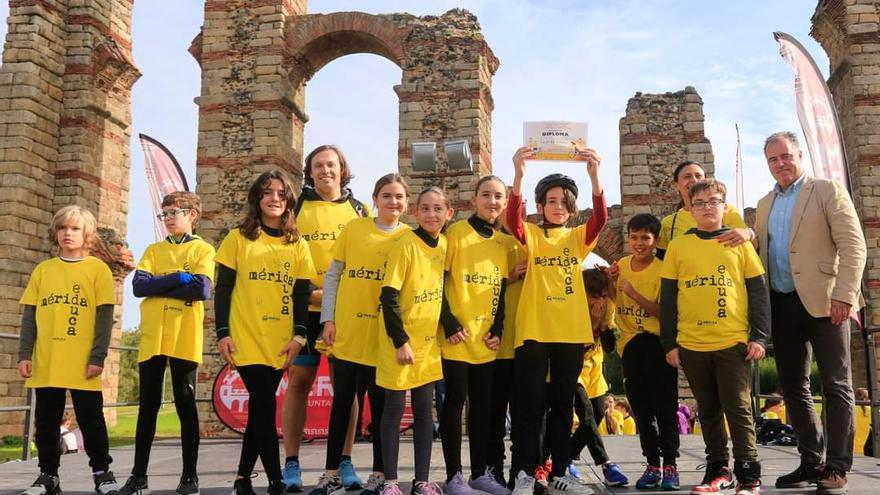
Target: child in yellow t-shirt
[(473, 324), (65, 332), (651, 383), (174, 277), (349, 312), (408, 354), (589, 398), (551, 287), (714, 321), (862, 422), (261, 312), (629, 423)]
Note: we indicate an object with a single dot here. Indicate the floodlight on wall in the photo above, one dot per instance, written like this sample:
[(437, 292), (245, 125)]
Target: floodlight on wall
[(458, 155), (424, 157)]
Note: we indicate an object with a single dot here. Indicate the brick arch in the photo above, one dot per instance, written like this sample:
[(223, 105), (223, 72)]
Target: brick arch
[(315, 40)]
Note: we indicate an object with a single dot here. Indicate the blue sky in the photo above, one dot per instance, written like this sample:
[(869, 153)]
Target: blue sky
[(561, 60)]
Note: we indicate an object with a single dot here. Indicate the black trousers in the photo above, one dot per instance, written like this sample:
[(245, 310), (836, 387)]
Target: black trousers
[(260, 435), (347, 378), (652, 389), (423, 430), (474, 383), (587, 433), (531, 363), (183, 383), (89, 408), (502, 395)]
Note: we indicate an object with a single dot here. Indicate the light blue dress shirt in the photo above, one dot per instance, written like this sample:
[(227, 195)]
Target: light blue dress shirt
[(779, 233)]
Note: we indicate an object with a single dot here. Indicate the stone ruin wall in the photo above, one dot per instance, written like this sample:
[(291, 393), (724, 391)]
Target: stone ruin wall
[(848, 31), (64, 127)]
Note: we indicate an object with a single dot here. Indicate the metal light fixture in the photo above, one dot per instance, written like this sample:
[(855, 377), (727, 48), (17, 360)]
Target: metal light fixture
[(424, 157), (458, 155)]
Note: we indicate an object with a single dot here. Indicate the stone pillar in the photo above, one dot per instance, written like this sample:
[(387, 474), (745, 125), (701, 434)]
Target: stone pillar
[(249, 122), (848, 31), (658, 132), (446, 94), (65, 122)]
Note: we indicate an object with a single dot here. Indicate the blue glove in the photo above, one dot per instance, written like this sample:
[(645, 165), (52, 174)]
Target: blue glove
[(185, 278)]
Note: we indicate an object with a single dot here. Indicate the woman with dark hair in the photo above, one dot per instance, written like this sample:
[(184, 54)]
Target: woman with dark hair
[(260, 314), (685, 175), (325, 206)]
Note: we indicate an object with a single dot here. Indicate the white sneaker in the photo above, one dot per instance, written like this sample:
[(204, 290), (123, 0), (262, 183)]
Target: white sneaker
[(567, 485), (524, 484)]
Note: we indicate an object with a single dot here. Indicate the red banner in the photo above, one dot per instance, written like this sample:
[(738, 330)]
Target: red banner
[(164, 176), (230, 399), (816, 112)]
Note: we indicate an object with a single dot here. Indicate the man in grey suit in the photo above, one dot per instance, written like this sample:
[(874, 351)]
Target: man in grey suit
[(812, 246)]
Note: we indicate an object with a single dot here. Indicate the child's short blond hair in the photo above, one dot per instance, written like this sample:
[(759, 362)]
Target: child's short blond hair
[(711, 185), (75, 215), (185, 200)]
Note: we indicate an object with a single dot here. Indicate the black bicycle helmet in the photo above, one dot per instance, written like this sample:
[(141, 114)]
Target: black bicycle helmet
[(554, 180)]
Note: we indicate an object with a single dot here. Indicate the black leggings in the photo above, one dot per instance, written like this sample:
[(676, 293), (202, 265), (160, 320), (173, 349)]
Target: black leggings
[(183, 383), (532, 361), (587, 433), (260, 434), (474, 382), (652, 390), (502, 393), (89, 408), (347, 378), (423, 430)]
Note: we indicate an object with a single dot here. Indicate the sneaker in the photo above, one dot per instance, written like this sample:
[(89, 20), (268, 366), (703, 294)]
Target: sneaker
[(390, 489), (488, 484), (374, 484), (426, 488), (670, 478), (715, 481), (613, 475), (523, 485), (135, 485), (833, 481), (800, 477), (348, 476), (650, 479), (45, 484), (276, 487), (328, 485), (189, 485), (292, 477), (242, 486), (542, 473), (573, 470), (566, 485), (753, 488), (105, 483)]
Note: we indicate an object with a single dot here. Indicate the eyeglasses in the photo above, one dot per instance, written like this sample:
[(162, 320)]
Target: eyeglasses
[(704, 205), (172, 213)]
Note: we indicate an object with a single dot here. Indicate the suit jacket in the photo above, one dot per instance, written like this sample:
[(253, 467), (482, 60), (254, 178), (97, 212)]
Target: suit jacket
[(827, 246)]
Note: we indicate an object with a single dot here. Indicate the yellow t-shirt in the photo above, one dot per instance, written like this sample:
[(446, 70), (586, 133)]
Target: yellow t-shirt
[(713, 306), (261, 313), (591, 377), (682, 220), (629, 426), (174, 327), (553, 287), (632, 318), (476, 266), (515, 254), (320, 223), (66, 295), (363, 248), (862, 415), (416, 270)]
